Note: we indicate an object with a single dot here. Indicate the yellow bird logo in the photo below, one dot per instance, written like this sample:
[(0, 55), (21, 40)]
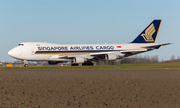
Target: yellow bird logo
[(148, 33)]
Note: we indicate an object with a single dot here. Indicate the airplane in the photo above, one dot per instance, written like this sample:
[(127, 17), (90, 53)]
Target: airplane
[(85, 54)]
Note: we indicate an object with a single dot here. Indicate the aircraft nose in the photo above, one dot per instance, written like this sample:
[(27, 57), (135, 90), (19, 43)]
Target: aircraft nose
[(14, 53), (11, 52)]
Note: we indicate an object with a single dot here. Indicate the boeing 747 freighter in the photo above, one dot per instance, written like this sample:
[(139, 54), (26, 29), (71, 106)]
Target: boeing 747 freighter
[(86, 53)]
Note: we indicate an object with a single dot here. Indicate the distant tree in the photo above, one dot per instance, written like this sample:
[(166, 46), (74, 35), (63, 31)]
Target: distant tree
[(162, 60), (172, 58), (178, 59)]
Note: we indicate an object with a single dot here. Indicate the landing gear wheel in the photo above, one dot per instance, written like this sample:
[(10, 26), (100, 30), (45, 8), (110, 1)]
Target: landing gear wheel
[(75, 64), (25, 65), (88, 64)]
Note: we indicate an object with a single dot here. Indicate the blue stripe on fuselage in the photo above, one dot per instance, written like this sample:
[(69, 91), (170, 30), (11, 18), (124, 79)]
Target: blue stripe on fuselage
[(81, 51)]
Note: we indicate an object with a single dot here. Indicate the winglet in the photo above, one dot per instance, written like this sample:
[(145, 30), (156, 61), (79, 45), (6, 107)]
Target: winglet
[(149, 34)]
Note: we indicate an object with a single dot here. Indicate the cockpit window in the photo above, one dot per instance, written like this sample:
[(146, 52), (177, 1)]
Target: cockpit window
[(20, 44)]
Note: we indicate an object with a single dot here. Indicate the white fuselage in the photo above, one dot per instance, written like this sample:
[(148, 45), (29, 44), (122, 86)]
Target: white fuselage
[(41, 51)]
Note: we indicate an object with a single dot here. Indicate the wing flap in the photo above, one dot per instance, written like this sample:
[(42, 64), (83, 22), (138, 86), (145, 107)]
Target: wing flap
[(135, 50), (102, 53), (132, 52)]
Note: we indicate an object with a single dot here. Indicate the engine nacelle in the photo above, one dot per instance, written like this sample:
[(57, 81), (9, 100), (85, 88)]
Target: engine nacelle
[(110, 57), (78, 60), (120, 56), (54, 62)]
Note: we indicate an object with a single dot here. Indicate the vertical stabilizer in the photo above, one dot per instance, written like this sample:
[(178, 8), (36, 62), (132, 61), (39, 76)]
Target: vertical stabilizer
[(149, 34)]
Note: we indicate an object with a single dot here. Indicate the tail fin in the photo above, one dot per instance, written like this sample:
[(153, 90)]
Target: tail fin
[(149, 34)]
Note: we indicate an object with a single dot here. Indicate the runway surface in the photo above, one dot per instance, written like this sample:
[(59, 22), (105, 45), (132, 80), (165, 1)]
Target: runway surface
[(92, 89)]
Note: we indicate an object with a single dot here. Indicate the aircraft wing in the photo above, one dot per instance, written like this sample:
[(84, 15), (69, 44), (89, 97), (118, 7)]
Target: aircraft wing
[(132, 52), (101, 55), (135, 50), (119, 54)]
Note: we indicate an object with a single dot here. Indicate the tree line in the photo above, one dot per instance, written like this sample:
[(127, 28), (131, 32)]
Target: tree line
[(139, 59), (131, 59)]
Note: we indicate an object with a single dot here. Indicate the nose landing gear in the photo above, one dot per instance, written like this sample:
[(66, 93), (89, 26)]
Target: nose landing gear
[(25, 63)]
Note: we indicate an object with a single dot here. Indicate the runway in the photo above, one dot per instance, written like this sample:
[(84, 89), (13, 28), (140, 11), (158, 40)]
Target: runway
[(91, 88)]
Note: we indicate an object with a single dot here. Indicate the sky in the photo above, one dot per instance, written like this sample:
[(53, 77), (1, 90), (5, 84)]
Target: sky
[(88, 21)]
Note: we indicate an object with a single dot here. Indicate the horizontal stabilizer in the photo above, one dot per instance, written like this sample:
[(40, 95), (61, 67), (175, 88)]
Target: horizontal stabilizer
[(156, 46)]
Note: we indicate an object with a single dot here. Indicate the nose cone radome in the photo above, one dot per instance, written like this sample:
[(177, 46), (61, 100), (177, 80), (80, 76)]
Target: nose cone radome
[(14, 53), (11, 53)]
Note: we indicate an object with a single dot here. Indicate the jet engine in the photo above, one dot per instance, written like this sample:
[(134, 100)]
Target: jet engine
[(110, 57), (78, 60)]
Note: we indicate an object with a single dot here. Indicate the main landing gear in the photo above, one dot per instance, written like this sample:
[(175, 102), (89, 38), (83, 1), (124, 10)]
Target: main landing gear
[(88, 64), (74, 64), (83, 64)]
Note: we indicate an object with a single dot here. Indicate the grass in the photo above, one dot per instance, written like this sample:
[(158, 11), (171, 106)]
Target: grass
[(132, 66)]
